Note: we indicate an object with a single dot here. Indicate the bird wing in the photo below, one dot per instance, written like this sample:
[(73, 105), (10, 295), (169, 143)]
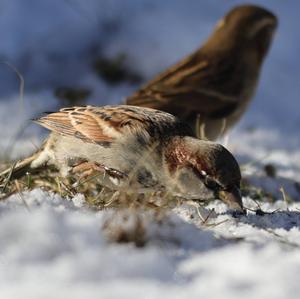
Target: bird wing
[(197, 83), (104, 124)]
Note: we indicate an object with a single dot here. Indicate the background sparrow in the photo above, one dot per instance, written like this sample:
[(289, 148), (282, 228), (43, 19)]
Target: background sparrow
[(137, 149), (211, 88)]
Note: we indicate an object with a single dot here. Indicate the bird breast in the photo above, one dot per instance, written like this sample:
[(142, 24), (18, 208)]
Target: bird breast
[(140, 164)]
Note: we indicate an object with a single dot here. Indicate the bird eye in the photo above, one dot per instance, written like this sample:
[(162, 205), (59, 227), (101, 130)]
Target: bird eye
[(207, 180), (210, 183)]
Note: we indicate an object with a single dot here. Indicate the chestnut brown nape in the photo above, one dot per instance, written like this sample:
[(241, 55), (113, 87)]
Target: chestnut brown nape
[(205, 156)]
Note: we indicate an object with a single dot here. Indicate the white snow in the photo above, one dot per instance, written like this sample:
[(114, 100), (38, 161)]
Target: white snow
[(55, 248)]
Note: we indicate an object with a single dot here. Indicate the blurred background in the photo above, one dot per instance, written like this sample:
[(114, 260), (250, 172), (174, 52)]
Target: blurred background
[(106, 49)]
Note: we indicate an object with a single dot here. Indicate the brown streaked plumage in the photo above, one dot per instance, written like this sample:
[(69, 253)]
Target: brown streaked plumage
[(211, 88), (137, 149)]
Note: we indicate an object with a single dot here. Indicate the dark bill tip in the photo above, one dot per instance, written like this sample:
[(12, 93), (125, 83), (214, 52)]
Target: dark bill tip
[(233, 199)]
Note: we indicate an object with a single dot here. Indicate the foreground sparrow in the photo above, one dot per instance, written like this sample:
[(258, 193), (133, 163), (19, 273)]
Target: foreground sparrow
[(211, 88), (137, 149)]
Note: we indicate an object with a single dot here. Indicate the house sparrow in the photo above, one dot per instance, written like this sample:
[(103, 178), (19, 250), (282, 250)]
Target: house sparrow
[(137, 149), (211, 88)]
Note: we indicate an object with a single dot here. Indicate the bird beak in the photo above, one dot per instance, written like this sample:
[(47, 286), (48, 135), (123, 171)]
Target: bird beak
[(232, 198)]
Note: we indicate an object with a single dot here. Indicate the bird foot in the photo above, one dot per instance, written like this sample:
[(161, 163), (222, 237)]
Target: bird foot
[(86, 169)]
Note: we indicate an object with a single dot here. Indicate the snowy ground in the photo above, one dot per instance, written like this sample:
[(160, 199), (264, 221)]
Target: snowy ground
[(51, 247)]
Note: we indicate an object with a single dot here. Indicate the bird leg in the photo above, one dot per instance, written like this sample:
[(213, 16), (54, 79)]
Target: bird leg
[(87, 168)]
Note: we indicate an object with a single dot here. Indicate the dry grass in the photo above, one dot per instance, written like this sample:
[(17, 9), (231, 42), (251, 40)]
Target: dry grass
[(129, 212), (95, 194), (131, 216), (127, 221)]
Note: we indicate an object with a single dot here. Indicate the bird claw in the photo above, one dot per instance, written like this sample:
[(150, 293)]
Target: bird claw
[(115, 173)]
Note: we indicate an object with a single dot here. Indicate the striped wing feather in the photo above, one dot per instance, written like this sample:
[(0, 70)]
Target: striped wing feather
[(97, 124), (190, 85)]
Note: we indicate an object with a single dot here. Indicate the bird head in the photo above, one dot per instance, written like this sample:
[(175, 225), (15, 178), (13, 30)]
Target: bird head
[(203, 170), (245, 27)]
